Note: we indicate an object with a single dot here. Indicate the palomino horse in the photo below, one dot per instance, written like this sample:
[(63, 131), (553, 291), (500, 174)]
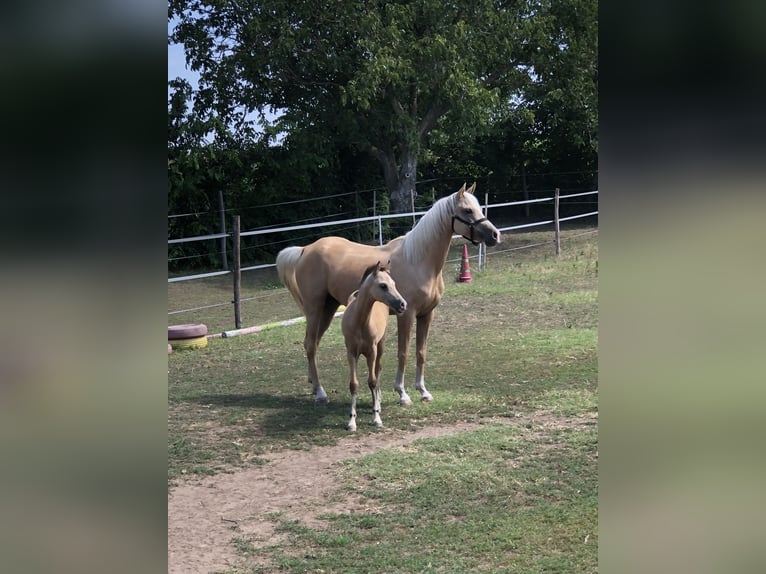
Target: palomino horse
[(323, 274), (364, 330)]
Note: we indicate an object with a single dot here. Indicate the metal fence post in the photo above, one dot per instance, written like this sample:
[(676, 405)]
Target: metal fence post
[(237, 272), (482, 247), (223, 229), (556, 230)]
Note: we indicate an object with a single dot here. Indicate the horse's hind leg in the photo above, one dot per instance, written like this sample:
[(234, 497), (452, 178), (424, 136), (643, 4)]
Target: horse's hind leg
[(421, 344), (316, 325)]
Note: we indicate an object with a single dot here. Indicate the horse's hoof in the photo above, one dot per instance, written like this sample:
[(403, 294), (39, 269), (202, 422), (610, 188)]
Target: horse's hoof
[(320, 396), (427, 397)]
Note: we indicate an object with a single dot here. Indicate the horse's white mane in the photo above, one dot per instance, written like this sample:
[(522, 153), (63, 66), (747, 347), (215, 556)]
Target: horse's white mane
[(431, 225)]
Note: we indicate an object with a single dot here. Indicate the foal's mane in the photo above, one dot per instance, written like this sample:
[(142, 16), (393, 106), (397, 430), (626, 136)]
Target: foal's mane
[(371, 269), (430, 225)]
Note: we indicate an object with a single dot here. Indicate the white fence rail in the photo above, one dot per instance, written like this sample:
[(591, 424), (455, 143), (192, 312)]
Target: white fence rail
[(379, 221), (374, 218)]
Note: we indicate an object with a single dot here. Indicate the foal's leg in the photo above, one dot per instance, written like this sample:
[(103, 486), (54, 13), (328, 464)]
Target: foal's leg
[(353, 386), (373, 383), (316, 325), (421, 344), (379, 358), (404, 327)]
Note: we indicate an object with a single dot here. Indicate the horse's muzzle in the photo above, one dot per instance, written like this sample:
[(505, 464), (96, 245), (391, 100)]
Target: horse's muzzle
[(493, 239), (399, 306)]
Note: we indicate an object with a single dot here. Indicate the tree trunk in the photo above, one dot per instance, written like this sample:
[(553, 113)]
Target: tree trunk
[(403, 196), (401, 181), (400, 184)]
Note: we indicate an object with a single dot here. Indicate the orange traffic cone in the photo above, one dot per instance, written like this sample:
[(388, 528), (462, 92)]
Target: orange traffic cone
[(465, 271)]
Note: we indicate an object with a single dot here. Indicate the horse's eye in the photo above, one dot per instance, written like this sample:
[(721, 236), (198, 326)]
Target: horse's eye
[(468, 211), (384, 286)]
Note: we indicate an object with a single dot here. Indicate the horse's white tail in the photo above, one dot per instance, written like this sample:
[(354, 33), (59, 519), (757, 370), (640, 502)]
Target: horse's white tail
[(287, 259)]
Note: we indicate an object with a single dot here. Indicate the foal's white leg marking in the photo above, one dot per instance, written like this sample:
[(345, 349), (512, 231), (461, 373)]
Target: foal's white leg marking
[(352, 418), (373, 369), (376, 420), (353, 386)]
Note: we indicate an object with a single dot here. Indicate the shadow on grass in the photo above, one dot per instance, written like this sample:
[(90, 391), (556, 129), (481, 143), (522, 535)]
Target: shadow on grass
[(282, 414)]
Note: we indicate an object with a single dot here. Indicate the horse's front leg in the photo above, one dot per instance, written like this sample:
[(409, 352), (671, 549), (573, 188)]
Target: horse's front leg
[(404, 327), (421, 345), (353, 386), (374, 384)]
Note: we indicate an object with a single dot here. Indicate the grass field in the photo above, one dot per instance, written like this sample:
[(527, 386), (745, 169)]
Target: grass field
[(515, 349)]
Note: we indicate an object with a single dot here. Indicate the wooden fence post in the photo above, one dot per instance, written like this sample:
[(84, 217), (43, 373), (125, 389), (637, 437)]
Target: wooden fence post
[(237, 273), (556, 230)]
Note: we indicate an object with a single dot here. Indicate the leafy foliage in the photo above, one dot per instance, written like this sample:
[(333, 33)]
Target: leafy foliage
[(421, 89)]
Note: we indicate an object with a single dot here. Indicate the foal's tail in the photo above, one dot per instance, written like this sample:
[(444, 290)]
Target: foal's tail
[(287, 259)]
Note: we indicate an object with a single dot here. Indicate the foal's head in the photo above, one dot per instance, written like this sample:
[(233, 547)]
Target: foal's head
[(381, 287), (469, 221)]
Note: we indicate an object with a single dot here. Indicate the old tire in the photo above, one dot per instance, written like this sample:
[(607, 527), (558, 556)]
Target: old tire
[(188, 331)]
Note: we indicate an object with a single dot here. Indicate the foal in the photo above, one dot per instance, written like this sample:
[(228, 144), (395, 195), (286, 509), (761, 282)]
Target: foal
[(364, 329)]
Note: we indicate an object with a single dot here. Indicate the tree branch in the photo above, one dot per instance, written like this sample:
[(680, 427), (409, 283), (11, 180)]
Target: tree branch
[(396, 105), (387, 161), (432, 116)]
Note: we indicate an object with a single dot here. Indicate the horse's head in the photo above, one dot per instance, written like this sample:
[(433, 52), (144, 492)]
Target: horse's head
[(383, 288), (469, 221)]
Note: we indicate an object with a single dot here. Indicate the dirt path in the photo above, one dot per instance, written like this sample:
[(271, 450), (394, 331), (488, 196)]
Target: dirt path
[(204, 516)]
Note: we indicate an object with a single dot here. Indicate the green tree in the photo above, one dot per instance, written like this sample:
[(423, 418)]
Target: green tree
[(549, 136), (378, 75), (563, 98)]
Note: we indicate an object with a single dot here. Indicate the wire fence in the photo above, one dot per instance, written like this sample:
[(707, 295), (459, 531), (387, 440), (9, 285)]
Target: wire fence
[(378, 220)]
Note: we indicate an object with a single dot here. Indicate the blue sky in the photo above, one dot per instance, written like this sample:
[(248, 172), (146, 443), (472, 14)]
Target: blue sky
[(177, 65), (177, 68), (177, 61)]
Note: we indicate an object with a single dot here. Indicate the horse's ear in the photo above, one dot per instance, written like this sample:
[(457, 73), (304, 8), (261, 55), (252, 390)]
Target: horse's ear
[(370, 270), (472, 188), (461, 191)]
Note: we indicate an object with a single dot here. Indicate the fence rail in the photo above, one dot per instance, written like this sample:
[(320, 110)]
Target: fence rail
[(378, 219)]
